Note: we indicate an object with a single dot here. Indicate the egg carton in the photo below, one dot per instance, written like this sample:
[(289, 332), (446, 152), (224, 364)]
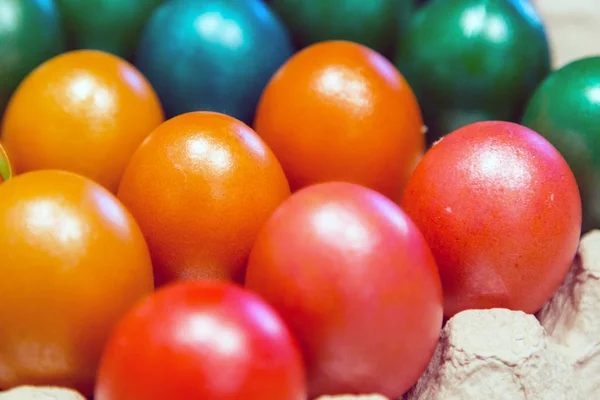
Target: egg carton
[(40, 393)]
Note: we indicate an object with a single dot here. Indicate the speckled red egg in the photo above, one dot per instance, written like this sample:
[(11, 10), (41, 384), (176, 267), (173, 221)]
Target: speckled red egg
[(501, 212)]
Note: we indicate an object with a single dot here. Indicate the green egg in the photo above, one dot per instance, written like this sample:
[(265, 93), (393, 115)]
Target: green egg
[(373, 23), (30, 33), (113, 26), (565, 109), (473, 60)]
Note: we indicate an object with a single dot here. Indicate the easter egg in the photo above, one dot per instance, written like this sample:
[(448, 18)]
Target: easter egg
[(30, 33), (377, 24), (233, 346), (565, 109), (356, 282), (5, 167), (201, 186), (338, 110), (113, 26), (84, 111), (473, 60), (73, 262), (500, 209), (212, 55)]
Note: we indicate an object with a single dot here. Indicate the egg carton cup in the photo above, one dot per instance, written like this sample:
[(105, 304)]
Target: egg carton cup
[(40, 393)]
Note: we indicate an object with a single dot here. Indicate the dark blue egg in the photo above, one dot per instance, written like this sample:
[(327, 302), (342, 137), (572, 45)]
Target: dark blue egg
[(214, 55)]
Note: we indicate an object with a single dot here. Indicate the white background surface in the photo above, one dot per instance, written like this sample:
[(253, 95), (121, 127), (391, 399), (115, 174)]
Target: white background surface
[(573, 27)]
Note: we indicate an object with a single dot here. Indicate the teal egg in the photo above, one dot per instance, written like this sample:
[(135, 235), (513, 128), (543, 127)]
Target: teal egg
[(213, 55)]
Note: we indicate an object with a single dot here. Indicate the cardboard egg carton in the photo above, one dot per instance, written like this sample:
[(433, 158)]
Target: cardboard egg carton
[(40, 393), (501, 354)]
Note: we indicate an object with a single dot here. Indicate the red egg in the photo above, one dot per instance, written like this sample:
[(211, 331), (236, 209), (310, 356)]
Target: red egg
[(501, 212), (353, 278), (201, 340)]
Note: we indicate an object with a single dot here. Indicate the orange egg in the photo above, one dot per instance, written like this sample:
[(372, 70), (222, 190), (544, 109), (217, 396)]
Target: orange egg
[(72, 263), (83, 111), (201, 186), (339, 111)]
